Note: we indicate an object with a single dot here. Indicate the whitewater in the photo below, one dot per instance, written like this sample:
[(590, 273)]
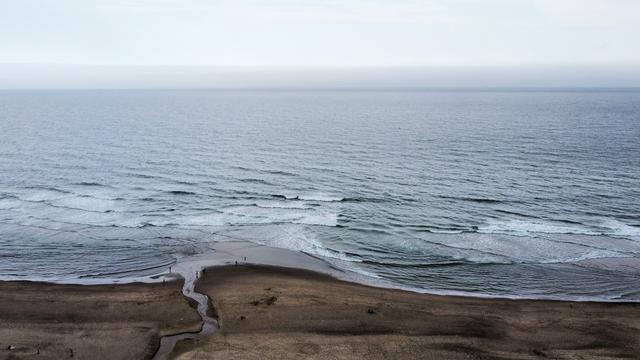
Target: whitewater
[(521, 193)]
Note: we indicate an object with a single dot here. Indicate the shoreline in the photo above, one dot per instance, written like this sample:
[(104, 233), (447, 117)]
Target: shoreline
[(249, 253), (292, 311)]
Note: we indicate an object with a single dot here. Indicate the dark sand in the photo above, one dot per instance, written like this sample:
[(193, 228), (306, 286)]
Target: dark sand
[(269, 312), (278, 313), (49, 321)]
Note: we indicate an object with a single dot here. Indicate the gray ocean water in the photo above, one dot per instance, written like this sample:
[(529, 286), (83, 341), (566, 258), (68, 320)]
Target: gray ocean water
[(530, 193)]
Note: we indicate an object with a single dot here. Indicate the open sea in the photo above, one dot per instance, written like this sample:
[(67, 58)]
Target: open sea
[(527, 194)]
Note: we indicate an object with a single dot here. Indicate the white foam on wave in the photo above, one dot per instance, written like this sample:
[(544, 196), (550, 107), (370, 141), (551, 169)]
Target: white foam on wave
[(283, 204), (247, 215), (10, 203), (589, 255), (82, 217), (42, 195), (49, 215), (466, 248), (199, 220), (478, 258), (299, 240), (352, 266), (291, 237), (618, 228), (324, 219), (610, 227), (481, 248), (521, 227), (446, 231), (86, 203)]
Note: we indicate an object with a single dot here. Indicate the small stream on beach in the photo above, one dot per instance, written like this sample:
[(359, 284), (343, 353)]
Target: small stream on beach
[(209, 325), (235, 252)]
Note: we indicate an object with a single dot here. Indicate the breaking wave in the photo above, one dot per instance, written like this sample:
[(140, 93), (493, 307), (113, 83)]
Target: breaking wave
[(522, 227)]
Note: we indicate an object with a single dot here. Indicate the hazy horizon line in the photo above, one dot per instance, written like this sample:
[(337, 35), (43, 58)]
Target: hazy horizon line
[(523, 76), (362, 89)]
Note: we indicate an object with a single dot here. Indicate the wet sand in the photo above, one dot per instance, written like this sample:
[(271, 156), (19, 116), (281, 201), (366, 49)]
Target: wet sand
[(53, 321), (268, 312)]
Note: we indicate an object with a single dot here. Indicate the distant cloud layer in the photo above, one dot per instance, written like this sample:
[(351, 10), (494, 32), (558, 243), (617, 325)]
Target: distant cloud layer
[(521, 37)]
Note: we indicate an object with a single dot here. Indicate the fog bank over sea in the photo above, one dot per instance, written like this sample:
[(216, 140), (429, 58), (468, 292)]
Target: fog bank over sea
[(42, 76)]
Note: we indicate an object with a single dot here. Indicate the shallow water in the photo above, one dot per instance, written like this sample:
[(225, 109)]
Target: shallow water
[(495, 193)]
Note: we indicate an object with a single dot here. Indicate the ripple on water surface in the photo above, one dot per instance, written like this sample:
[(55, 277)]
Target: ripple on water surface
[(500, 193)]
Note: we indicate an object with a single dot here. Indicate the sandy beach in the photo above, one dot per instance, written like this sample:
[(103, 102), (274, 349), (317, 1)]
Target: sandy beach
[(268, 312), (279, 313), (53, 321)]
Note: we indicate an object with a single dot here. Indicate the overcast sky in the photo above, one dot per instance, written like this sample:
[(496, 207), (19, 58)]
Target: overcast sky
[(288, 34)]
